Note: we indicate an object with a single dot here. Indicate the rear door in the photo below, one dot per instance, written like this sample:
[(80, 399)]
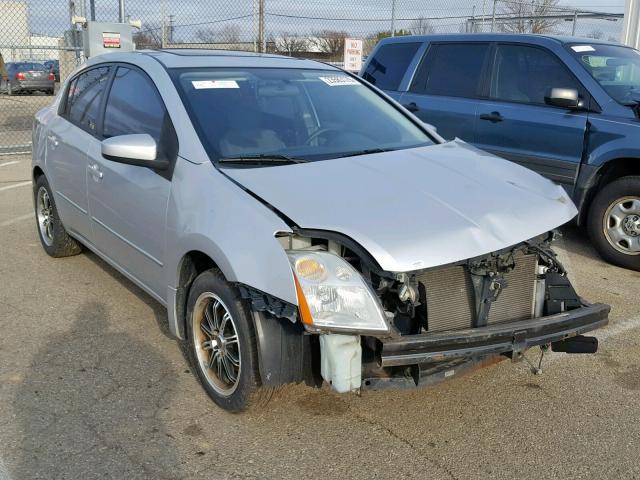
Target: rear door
[(515, 123), (446, 87), (128, 203), (68, 136), (389, 65)]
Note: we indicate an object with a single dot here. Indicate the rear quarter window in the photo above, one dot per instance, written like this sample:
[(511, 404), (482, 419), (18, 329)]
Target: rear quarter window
[(389, 64)]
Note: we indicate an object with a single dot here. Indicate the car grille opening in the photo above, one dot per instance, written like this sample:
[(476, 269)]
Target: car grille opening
[(451, 301)]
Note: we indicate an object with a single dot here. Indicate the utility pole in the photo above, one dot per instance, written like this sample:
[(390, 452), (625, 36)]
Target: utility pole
[(493, 15), (261, 39), (92, 10), (121, 15), (631, 30), (393, 18), (575, 21), (171, 27)]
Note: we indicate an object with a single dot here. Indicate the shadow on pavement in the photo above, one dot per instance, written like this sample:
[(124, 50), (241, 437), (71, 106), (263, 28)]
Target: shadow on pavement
[(89, 406)]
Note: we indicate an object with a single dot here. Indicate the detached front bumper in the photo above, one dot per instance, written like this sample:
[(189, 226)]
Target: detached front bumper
[(496, 339)]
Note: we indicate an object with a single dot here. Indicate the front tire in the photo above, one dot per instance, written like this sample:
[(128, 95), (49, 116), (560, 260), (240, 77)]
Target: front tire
[(221, 343), (614, 222), (54, 238)]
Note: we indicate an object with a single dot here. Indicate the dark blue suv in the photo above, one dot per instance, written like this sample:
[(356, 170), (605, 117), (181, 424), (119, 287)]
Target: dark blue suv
[(567, 108)]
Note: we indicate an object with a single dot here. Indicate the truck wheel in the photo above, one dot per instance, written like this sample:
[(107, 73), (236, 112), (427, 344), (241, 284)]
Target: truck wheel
[(53, 236), (221, 343), (614, 222)]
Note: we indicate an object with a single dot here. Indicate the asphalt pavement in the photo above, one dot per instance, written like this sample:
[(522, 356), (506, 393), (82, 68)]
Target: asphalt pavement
[(92, 386)]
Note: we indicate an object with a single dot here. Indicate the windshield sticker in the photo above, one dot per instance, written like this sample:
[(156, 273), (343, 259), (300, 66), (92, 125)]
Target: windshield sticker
[(201, 84), (339, 80), (583, 48)]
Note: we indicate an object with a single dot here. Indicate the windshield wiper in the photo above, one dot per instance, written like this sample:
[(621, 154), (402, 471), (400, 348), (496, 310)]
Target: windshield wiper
[(263, 158), (366, 151)]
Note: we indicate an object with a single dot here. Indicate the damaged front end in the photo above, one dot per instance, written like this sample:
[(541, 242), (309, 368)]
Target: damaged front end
[(425, 326)]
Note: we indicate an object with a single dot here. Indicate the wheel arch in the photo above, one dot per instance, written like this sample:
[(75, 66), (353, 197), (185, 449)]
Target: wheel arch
[(37, 173), (604, 175), (192, 264)]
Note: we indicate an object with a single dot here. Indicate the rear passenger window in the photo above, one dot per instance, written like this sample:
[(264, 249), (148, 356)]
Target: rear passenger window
[(386, 69), (135, 106), (453, 70), (525, 74), (84, 96)]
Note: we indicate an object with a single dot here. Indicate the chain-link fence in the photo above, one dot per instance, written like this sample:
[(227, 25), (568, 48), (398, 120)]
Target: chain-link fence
[(40, 32)]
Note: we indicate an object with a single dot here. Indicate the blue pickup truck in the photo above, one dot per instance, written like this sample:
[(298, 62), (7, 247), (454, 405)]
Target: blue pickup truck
[(568, 108)]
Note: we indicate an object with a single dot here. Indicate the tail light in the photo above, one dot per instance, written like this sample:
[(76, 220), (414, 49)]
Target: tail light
[(51, 76), (20, 76)]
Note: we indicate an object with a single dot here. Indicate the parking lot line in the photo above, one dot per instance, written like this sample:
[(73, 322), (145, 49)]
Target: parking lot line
[(15, 185), (9, 163), (11, 221)]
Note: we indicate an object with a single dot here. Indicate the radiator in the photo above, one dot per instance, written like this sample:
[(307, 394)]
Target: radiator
[(450, 296)]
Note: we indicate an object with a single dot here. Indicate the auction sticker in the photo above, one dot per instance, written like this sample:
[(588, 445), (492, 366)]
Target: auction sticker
[(583, 48), (339, 80), (203, 84)]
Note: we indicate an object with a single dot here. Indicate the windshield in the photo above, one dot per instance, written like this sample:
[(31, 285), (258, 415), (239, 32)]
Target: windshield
[(291, 114), (30, 66), (616, 68)]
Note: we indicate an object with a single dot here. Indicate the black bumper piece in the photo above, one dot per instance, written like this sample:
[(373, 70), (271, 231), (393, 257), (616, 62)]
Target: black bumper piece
[(515, 337)]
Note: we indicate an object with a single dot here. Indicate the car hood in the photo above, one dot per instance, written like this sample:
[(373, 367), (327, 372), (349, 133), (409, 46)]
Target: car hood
[(416, 208)]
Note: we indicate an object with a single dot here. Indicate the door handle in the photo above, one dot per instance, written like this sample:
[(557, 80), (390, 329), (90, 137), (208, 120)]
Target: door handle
[(493, 117), (95, 171), (412, 107)]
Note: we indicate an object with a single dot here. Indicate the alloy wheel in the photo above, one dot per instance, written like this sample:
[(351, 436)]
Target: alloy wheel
[(44, 211), (216, 343)]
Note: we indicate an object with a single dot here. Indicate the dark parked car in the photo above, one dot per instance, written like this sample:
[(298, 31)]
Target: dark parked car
[(567, 108), (27, 77), (54, 67)]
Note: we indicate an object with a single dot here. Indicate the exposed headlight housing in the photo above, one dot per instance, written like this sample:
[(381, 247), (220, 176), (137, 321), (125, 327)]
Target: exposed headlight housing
[(333, 296)]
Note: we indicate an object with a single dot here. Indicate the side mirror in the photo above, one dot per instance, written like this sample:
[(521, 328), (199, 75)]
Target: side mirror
[(431, 126), (139, 149), (562, 97)]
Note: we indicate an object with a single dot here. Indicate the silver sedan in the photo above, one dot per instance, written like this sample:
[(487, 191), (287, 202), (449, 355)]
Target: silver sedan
[(299, 225)]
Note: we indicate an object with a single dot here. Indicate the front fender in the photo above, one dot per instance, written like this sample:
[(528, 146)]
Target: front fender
[(210, 214)]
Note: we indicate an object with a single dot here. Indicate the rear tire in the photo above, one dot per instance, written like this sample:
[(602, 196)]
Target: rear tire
[(614, 222), (221, 343), (54, 238)]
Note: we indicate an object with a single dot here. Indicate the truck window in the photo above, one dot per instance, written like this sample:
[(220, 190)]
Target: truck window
[(525, 74), (386, 69), (453, 70)]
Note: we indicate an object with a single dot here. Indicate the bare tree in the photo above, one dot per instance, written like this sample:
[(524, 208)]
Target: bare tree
[(330, 42), (227, 34), (149, 37), (290, 44), (595, 33), (421, 26), (520, 16)]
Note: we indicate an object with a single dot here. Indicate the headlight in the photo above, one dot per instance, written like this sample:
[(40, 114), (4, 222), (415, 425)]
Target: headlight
[(332, 295)]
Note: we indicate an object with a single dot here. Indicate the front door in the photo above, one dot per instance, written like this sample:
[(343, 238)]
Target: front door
[(128, 203), (515, 123)]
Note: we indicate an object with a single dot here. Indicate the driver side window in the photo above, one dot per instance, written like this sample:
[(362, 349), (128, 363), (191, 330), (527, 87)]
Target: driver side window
[(525, 74), (135, 106)]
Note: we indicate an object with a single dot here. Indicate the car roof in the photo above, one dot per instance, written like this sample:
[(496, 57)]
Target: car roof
[(194, 58), (538, 39)]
